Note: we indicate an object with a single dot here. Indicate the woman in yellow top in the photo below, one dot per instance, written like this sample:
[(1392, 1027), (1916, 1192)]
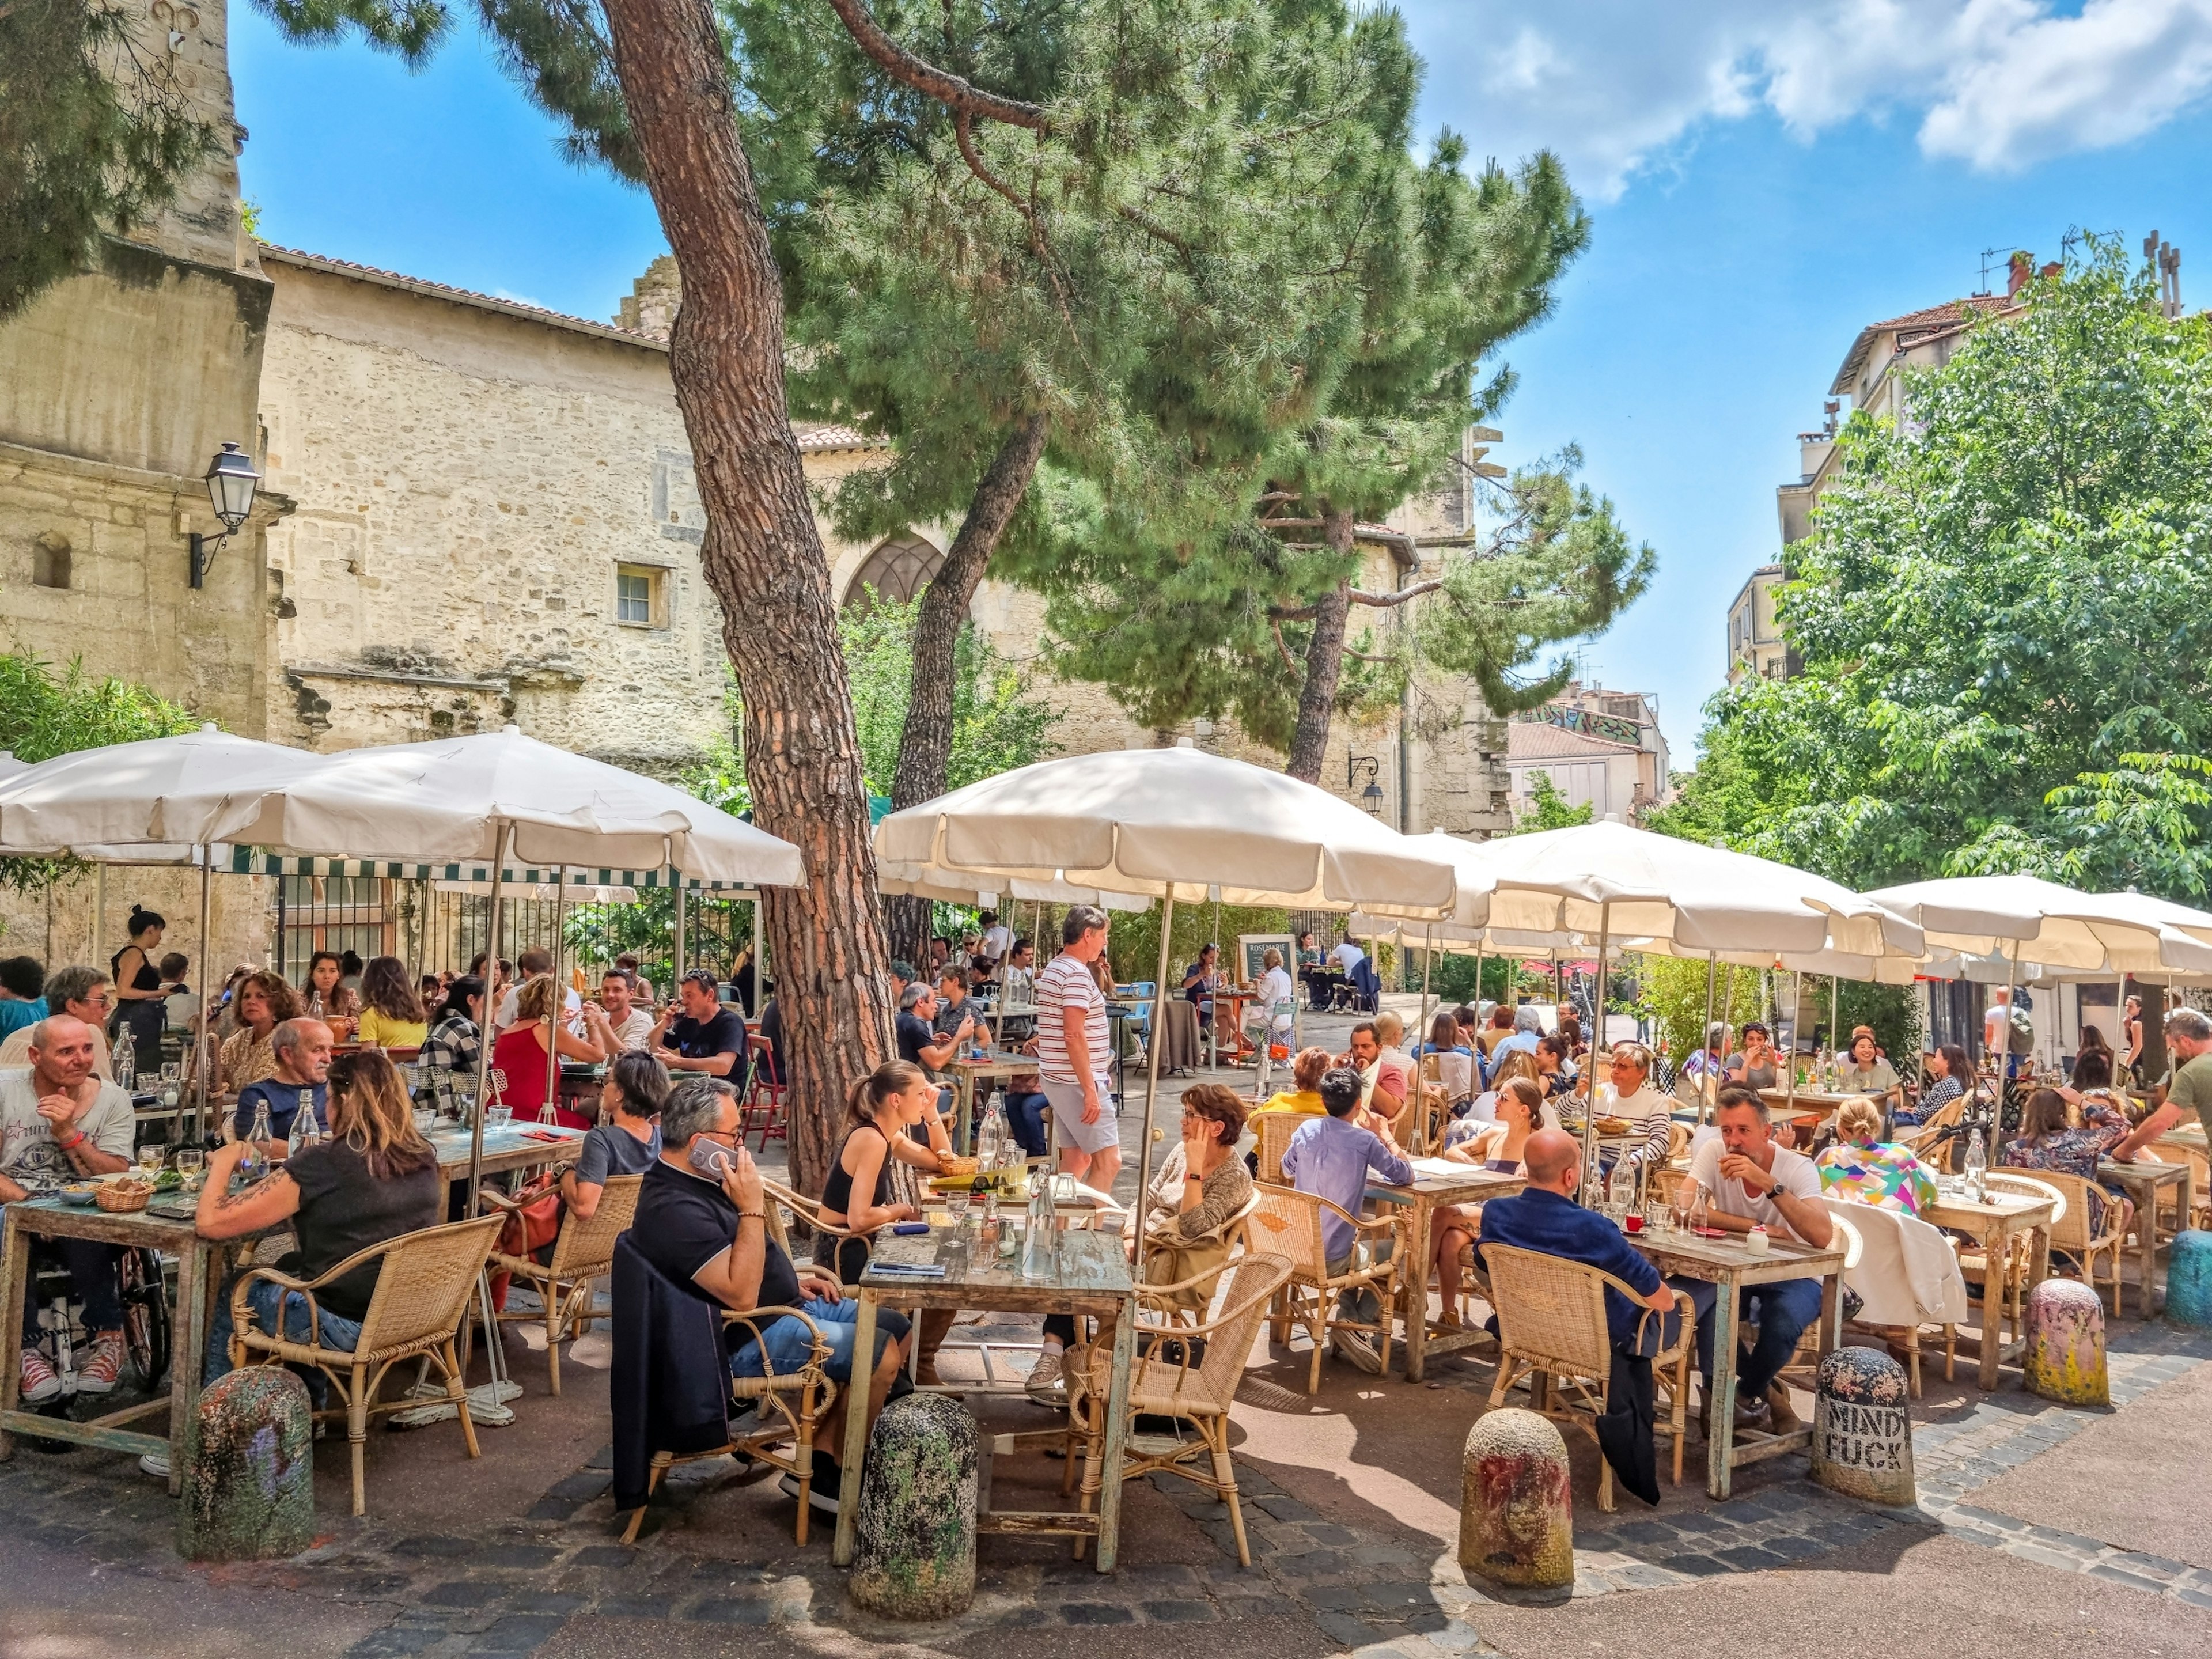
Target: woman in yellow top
[(391, 1013), (1303, 1099)]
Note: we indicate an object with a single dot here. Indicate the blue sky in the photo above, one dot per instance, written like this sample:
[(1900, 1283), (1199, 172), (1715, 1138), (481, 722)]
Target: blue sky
[(1764, 179)]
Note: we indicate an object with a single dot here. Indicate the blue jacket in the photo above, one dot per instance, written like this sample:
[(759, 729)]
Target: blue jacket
[(1540, 1221)]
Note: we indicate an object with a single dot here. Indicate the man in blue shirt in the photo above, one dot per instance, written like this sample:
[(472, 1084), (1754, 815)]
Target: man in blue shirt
[(1331, 1156), (1546, 1218), (22, 993), (303, 1061)]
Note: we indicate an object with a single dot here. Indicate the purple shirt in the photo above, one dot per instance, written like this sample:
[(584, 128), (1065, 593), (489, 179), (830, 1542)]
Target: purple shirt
[(1331, 1156)]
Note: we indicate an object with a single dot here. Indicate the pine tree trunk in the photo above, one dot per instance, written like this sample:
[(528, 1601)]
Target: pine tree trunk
[(764, 559), (926, 740), (1324, 662)]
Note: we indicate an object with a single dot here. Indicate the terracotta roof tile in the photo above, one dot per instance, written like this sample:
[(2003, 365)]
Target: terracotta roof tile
[(1916, 328), (1542, 740)]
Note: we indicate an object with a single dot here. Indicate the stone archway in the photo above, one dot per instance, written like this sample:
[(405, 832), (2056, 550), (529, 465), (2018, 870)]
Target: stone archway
[(898, 570)]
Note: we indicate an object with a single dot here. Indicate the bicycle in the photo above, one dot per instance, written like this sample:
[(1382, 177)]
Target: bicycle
[(144, 1291)]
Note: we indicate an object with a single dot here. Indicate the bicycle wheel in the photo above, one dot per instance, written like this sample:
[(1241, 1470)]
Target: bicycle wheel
[(145, 1317)]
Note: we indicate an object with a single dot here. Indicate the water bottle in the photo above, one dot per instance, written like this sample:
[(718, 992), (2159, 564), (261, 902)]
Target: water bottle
[(1038, 1254), (125, 1060), (1699, 1218), (306, 1132), (991, 1135), (255, 1164), (1978, 1163)]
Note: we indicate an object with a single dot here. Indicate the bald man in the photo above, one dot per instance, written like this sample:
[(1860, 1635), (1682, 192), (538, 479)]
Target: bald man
[(1546, 1218)]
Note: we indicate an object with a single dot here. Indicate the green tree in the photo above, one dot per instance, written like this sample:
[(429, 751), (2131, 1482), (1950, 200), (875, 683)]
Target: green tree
[(2004, 615), (1550, 810), (43, 713), (96, 134)]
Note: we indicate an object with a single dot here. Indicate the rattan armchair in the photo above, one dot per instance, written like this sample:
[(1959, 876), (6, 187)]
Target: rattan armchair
[(582, 1251), (1164, 1382), (1552, 1324), (1927, 1141), (1274, 1130), (422, 1288), (1288, 1223), (787, 1407), (2076, 1233)]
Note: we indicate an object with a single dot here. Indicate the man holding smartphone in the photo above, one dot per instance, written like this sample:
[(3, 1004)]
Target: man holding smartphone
[(702, 1219)]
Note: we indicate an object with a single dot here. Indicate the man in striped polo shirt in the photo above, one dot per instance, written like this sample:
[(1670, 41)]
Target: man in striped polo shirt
[(1071, 1046)]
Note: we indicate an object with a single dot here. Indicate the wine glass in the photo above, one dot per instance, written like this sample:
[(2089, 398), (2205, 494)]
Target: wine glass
[(192, 1166), (955, 1206), (147, 1157)]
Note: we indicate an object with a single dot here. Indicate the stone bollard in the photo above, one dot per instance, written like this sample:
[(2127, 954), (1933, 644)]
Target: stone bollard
[(1861, 1428), (2189, 1279), (1517, 1516), (2065, 1359), (914, 1545), (249, 1469)]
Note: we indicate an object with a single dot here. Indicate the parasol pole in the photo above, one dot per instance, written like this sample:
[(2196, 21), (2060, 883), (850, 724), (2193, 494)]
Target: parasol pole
[(2004, 1053), (1707, 1087), (502, 847), (203, 1059), (1597, 1042), (1153, 1075), (760, 961), (559, 998), (1796, 1013)]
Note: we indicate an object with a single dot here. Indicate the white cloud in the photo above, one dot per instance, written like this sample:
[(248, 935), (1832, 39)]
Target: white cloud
[(1613, 85)]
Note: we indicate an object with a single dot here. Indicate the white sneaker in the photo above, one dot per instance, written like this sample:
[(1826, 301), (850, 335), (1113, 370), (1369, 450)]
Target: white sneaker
[(1355, 1346), (156, 1464), (1047, 1386)]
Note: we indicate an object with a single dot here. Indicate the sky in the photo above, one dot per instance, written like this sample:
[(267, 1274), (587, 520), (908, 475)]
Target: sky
[(1764, 179)]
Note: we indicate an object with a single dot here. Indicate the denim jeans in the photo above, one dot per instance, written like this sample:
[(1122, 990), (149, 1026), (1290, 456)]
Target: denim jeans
[(91, 1269), (336, 1330), (1781, 1310), (788, 1342), (1025, 1117)]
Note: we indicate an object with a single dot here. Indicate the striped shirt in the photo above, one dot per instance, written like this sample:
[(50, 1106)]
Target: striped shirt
[(1066, 982)]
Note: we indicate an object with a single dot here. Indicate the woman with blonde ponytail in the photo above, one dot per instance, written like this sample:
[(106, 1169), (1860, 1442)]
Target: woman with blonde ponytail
[(857, 1196)]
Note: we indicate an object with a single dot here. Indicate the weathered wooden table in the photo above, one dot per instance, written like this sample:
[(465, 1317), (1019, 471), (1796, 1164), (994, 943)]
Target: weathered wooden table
[(1437, 1180), (1993, 1224), (998, 1063), (518, 1146), (1727, 1264), (168, 1228), (2146, 1183), (1092, 1277)]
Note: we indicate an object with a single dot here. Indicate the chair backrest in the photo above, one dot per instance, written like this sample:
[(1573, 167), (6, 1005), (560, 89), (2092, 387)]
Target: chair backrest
[(1922, 1143), (763, 1053), (1287, 1223), (1890, 1247), (1550, 1309), (808, 1210), (591, 1245), (2071, 1231), (1275, 1130), (2032, 1183), (426, 1280), (1241, 1295), (1678, 1140)]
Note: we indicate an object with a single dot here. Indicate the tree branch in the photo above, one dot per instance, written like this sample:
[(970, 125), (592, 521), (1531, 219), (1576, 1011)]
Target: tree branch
[(1283, 647), (949, 90), (1389, 601)]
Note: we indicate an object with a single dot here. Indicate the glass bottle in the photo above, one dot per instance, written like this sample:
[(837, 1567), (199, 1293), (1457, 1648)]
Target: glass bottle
[(1977, 1162), (125, 1060), (1038, 1238), (306, 1132), (1699, 1219), (991, 1136), (255, 1164)]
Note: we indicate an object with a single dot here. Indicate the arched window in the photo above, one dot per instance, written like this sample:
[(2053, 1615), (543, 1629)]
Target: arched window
[(898, 570)]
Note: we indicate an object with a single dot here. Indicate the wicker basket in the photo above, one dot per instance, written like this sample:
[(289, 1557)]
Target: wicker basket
[(950, 1163), (123, 1197)]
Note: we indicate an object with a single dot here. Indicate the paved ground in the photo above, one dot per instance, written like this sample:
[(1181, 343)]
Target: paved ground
[(2040, 1530)]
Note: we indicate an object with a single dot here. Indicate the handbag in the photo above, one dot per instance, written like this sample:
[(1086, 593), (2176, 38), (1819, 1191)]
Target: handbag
[(534, 1223)]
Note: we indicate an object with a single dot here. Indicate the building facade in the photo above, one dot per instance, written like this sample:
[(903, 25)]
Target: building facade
[(1600, 749)]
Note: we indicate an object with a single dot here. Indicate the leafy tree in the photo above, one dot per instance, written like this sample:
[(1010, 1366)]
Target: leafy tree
[(2003, 613), (96, 134), (1550, 810), (43, 713)]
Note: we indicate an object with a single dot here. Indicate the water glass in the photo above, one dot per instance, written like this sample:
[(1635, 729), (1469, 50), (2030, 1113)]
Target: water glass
[(499, 1117), (956, 1205), (173, 1073)]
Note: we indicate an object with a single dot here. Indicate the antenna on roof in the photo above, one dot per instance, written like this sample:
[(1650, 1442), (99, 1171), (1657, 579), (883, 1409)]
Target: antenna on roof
[(1988, 254)]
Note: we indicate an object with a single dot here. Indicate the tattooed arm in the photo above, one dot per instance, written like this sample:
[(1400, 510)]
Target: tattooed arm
[(225, 1214)]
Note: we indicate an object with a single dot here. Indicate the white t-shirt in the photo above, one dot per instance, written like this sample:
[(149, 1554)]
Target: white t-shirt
[(1349, 955), (1274, 986), (1066, 983), (997, 941), (28, 1155), (1793, 1172), (571, 1004), (633, 1030)]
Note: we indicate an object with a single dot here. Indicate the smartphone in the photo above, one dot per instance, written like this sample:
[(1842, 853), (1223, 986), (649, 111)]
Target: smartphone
[(710, 1160)]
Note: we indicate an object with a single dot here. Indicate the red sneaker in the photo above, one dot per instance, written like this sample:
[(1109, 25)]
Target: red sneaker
[(39, 1382), (101, 1373)]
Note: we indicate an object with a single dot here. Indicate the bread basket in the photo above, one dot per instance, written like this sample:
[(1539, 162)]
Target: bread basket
[(123, 1197), (951, 1163)]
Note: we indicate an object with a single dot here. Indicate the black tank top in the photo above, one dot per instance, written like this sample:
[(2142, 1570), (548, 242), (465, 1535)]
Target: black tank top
[(837, 1190)]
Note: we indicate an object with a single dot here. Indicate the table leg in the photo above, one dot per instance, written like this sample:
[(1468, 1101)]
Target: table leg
[(964, 1110), (1413, 1289), (1996, 1255), (856, 1426), (1720, 1393), (14, 1285), (1831, 1314), (188, 1349), (1117, 1432), (2147, 1241)]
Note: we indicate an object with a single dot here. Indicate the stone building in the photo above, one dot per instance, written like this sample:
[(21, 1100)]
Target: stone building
[(472, 511)]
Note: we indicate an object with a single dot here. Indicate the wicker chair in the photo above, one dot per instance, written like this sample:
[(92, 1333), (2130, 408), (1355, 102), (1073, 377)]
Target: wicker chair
[(582, 1251), (422, 1288), (1551, 1323), (1274, 1130), (2012, 1272), (1288, 1223), (2072, 1232), (1162, 1382), (1922, 1143), (787, 1405), (805, 1210)]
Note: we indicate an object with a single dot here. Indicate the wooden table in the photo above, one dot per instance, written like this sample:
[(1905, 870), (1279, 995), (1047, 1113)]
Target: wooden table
[(1727, 1264), (1229, 1008), (198, 1264), (998, 1063), (2144, 1183), (512, 1148), (1093, 1278), (1436, 1181), (1993, 1224)]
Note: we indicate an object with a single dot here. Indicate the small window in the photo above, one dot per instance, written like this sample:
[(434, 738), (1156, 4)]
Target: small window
[(638, 602), (50, 561)]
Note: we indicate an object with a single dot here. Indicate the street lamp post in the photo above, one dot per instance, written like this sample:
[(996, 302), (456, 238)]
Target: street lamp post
[(1371, 796), (231, 482)]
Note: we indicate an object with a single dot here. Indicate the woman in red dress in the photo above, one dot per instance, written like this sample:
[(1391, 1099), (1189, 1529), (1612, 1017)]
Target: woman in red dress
[(520, 1052)]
